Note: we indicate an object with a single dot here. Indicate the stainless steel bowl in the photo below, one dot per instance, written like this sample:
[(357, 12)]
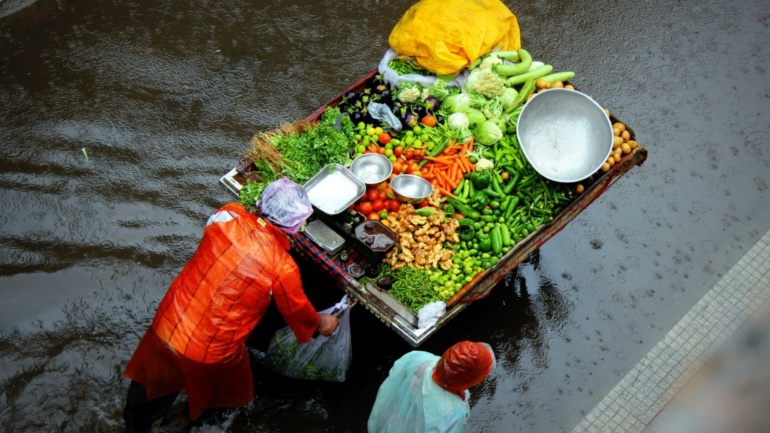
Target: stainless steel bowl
[(410, 188), (371, 168), (564, 134)]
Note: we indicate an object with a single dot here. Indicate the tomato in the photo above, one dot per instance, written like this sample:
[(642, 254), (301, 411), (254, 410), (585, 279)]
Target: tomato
[(378, 205), (413, 168), (409, 154), (428, 120), (383, 194), (424, 203), (392, 176), (398, 151), (381, 150), (384, 138), (365, 208), (394, 205), (374, 216), (397, 167), (373, 194)]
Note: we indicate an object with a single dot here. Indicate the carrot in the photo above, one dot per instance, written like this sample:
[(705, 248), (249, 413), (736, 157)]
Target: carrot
[(453, 172), (441, 176), (446, 192), (443, 179), (441, 159), (468, 165)]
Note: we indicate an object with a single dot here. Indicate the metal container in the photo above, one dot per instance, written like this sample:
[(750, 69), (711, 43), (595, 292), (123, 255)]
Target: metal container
[(324, 237), (564, 134), (372, 168), (334, 188), (410, 188)]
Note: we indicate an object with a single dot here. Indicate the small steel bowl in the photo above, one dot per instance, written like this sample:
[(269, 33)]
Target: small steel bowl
[(564, 134), (371, 168), (410, 188)]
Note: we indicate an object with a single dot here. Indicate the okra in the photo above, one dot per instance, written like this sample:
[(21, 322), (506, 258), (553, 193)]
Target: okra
[(506, 236), (511, 183), (488, 191), (496, 184), (497, 241), (458, 191), (511, 206)]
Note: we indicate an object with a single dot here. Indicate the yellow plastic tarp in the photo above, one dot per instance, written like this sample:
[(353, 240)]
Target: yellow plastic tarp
[(445, 36)]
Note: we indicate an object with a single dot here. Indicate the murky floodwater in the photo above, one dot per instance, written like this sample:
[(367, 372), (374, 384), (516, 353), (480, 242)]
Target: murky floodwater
[(118, 118)]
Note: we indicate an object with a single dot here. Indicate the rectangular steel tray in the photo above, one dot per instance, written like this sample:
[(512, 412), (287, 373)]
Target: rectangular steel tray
[(334, 188)]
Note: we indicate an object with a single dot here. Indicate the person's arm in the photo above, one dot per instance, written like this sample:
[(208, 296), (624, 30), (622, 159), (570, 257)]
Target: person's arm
[(294, 306)]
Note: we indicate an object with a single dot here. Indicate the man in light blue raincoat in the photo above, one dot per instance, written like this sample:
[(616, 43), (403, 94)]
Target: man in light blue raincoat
[(425, 393)]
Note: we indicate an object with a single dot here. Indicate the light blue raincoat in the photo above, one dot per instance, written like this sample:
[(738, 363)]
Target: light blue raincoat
[(410, 402)]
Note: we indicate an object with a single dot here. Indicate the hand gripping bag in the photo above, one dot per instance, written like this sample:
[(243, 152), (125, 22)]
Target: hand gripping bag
[(322, 358), (446, 36)]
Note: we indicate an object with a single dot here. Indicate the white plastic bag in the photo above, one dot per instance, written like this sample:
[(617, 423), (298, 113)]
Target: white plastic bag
[(429, 314), (322, 358), (394, 79)]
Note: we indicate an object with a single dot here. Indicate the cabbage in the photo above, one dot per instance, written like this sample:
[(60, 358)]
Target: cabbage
[(508, 98), (458, 121), (458, 103), (475, 116), (488, 133)]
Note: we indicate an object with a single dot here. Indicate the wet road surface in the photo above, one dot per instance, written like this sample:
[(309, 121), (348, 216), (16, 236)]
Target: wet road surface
[(118, 118)]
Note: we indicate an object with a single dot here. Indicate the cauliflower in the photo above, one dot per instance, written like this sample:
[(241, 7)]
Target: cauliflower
[(410, 94), (490, 61), (485, 82), (484, 164)]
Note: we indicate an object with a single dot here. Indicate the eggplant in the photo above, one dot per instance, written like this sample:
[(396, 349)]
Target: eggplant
[(439, 119), (420, 111), (385, 97), (409, 120), (431, 103)]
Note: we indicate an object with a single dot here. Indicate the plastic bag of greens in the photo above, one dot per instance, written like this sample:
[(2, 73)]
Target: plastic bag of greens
[(285, 204), (322, 358), (394, 78)]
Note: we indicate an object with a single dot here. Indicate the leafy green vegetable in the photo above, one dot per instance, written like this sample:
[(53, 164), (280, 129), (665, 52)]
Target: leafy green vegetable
[(303, 155), (412, 287)]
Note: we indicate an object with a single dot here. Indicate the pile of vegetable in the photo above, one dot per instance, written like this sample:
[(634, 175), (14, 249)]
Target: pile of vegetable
[(487, 197)]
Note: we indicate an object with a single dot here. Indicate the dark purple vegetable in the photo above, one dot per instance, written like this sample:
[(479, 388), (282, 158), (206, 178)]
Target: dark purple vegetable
[(431, 103), (409, 120)]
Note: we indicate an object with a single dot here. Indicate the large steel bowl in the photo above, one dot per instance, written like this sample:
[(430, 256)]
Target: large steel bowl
[(371, 168), (564, 134), (410, 188)]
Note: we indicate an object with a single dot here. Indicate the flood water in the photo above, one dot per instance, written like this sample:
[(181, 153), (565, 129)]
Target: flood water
[(118, 118)]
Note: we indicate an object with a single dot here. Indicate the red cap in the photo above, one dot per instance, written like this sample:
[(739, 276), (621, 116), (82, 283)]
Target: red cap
[(462, 366)]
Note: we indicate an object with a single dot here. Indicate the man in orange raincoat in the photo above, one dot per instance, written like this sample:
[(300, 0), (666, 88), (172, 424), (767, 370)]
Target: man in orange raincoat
[(196, 342)]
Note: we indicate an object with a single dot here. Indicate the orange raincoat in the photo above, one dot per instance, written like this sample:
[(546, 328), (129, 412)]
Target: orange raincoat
[(197, 339)]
